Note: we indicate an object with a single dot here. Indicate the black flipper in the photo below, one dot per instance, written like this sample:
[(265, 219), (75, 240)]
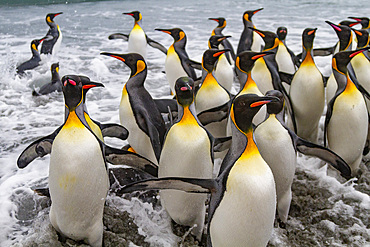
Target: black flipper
[(191, 185), (215, 114), (195, 65), (42, 191), (322, 52), (221, 144), (122, 157), (38, 148), (156, 45), (286, 77), (164, 104), (119, 36), (114, 130)]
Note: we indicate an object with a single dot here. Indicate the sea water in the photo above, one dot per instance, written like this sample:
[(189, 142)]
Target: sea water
[(326, 210)]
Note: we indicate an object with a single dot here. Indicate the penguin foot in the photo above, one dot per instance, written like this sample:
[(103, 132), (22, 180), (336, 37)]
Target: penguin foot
[(282, 224)]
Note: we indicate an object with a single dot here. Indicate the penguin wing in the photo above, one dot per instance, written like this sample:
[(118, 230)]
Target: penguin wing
[(164, 105), (325, 154), (195, 64), (227, 45), (114, 130), (286, 77), (42, 191), (118, 36), (221, 144), (122, 157), (191, 185), (38, 148), (296, 59), (322, 52), (215, 114), (156, 45), (185, 62)]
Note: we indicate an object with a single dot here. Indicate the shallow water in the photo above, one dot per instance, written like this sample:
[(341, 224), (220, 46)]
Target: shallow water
[(326, 210)]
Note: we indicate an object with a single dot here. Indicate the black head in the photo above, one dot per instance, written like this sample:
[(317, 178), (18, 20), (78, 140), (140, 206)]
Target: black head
[(363, 37), (35, 43), (342, 59), (308, 36), (136, 14), (246, 106), (215, 40), (176, 33), (348, 23), (210, 57), (246, 59), (343, 33), (50, 17), (184, 88), (250, 13), (133, 60), (55, 67), (281, 32), (365, 22), (276, 106), (221, 21), (270, 38)]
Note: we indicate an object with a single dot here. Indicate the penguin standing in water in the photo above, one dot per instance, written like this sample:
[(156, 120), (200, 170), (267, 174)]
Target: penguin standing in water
[(249, 40), (177, 62), (224, 72), (346, 122), (52, 45), (35, 59), (138, 112), (243, 196), (307, 91), (211, 94), (278, 146), (187, 139), (78, 178), (54, 86), (225, 44)]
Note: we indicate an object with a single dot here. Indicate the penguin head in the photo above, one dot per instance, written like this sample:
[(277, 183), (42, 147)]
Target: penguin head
[(245, 107), (54, 68), (341, 59), (246, 59), (136, 14), (281, 32), (221, 22), (184, 88), (344, 34), (271, 39), (210, 57), (363, 38), (247, 16), (275, 107), (50, 17), (35, 43), (134, 61), (365, 22), (215, 40), (348, 23), (75, 88), (308, 36), (176, 33)]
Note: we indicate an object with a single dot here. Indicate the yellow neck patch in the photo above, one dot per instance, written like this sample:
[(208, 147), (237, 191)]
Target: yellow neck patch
[(308, 60), (251, 148), (209, 81), (187, 117), (250, 83), (95, 128), (73, 121), (350, 87)]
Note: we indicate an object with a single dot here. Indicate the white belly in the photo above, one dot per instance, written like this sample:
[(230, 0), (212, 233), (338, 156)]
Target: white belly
[(284, 60), (186, 153), (331, 88), (347, 128), (246, 213), (137, 42), (276, 147), (257, 43), (224, 73), (361, 66), (58, 43), (307, 94), (174, 69), (262, 76), (78, 183), (137, 138)]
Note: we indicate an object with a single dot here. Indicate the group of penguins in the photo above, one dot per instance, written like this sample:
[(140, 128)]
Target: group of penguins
[(257, 132)]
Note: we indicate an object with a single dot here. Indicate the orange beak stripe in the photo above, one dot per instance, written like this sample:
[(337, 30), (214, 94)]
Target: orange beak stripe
[(217, 54), (119, 58), (258, 56), (88, 86), (258, 103), (311, 32)]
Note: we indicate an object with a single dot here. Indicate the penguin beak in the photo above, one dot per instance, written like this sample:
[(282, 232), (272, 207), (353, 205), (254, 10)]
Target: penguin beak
[(258, 31), (92, 84), (358, 52), (214, 19), (58, 14), (355, 18), (220, 52), (336, 27), (257, 10), (312, 31), (163, 30), (264, 100), (117, 56), (131, 14), (224, 37), (255, 57)]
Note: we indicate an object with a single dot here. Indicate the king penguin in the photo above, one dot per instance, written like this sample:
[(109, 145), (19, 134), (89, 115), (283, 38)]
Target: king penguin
[(54, 86), (137, 38), (211, 94), (225, 44), (177, 62), (346, 122), (78, 178), (51, 46), (224, 72), (35, 59), (249, 40), (138, 112), (243, 196), (364, 21), (285, 58), (187, 139), (279, 145), (307, 91)]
